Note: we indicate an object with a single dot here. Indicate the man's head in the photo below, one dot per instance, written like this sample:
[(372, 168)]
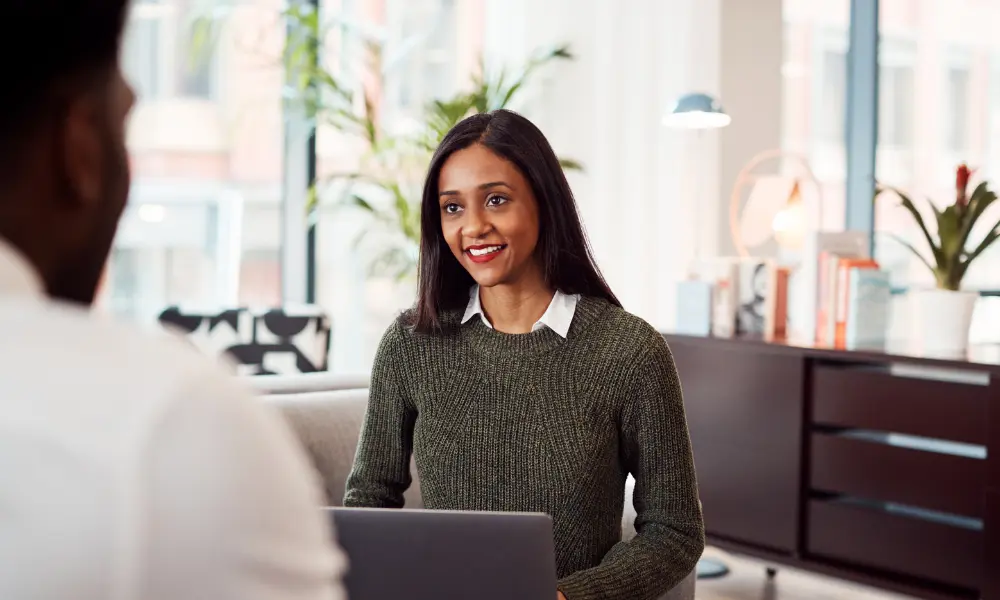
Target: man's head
[(63, 166)]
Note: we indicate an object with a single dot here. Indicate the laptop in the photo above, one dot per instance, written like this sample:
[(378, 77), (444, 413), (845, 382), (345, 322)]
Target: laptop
[(439, 555)]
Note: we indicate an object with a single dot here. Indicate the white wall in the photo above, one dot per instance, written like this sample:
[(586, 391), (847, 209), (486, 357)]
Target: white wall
[(649, 193)]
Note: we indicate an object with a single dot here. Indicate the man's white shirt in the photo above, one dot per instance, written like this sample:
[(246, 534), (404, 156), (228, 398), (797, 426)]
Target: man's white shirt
[(132, 469)]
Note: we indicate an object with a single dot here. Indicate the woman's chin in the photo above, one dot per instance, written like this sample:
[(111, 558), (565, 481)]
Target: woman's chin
[(487, 280)]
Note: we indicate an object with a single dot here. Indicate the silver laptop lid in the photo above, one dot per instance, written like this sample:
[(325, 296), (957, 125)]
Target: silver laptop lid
[(439, 555)]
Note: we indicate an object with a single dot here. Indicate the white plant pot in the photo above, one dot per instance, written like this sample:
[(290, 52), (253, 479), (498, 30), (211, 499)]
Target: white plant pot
[(942, 319)]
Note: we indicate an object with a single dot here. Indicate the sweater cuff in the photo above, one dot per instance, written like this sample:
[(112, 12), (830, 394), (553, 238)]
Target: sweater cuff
[(577, 587)]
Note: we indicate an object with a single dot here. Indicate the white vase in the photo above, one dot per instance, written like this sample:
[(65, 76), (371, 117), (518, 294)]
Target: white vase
[(941, 321)]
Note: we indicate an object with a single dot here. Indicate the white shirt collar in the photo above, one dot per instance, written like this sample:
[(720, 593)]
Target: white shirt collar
[(17, 277), (557, 317)]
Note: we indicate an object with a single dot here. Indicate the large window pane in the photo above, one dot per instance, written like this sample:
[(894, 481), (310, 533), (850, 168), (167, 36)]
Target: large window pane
[(426, 50), (939, 106), (815, 94), (205, 141)]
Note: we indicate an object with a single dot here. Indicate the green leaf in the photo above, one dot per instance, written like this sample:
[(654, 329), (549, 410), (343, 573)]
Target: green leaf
[(511, 92), (979, 201), (908, 205), (569, 164), (914, 251), (990, 237), (949, 234), (363, 204)]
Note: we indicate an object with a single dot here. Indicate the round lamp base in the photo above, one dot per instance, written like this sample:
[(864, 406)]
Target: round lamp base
[(710, 568)]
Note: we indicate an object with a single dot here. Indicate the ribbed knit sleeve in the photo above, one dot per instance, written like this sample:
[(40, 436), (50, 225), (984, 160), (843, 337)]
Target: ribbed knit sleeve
[(657, 451), (381, 471)]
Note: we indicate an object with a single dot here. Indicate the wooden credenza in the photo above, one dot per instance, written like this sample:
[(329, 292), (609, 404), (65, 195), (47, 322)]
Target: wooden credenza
[(879, 467)]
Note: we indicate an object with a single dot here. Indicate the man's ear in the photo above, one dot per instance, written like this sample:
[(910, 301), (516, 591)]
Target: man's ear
[(81, 150)]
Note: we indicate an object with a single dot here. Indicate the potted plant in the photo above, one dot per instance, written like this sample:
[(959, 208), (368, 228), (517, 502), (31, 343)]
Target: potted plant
[(944, 313), (387, 182)]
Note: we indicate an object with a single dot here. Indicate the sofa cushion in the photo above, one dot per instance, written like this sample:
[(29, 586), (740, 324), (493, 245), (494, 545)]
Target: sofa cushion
[(328, 424), (306, 382)]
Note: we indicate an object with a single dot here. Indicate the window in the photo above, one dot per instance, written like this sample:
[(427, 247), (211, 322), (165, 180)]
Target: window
[(423, 57), (833, 96), (202, 222), (157, 57), (423, 45), (815, 95), (940, 89), (957, 122), (896, 115)]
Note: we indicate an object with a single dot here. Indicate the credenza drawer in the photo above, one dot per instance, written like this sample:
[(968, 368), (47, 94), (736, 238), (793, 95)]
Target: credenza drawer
[(872, 537), (872, 398), (879, 471)]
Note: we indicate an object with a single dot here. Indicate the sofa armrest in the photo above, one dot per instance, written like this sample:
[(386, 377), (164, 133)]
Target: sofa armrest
[(328, 425)]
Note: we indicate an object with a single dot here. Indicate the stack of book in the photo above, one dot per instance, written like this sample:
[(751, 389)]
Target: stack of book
[(734, 296), (836, 296)]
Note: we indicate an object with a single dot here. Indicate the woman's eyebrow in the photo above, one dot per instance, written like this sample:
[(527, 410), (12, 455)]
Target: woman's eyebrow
[(482, 186)]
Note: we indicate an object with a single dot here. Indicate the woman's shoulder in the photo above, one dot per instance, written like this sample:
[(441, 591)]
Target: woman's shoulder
[(612, 319), (622, 332), (404, 330)]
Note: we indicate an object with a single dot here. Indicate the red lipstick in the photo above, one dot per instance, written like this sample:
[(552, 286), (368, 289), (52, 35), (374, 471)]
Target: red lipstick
[(484, 253)]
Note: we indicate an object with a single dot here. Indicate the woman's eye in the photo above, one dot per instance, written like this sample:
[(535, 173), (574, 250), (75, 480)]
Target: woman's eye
[(451, 208), (495, 200)]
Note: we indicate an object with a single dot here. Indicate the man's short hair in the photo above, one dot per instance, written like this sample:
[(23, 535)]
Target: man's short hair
[(49, 42)]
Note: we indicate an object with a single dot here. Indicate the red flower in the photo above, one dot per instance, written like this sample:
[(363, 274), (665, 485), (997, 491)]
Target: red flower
[(962, 176)]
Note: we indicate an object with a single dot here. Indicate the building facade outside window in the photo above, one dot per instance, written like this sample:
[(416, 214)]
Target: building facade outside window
[(205, 143)]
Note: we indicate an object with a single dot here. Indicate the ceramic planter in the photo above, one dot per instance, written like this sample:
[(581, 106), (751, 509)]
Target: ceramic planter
[(942, 320)]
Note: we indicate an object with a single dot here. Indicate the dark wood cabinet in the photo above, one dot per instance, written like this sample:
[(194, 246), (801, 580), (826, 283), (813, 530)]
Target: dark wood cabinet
[(879, 467), (748, 476)]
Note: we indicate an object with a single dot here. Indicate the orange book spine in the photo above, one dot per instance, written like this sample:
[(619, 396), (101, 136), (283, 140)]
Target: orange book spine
[(821, 297)]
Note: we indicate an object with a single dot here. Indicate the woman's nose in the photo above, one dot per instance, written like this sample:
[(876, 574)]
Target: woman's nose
[(475, 226)]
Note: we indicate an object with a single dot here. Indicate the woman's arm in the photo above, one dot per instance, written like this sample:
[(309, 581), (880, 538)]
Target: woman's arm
[(381, 470), (657, 451)]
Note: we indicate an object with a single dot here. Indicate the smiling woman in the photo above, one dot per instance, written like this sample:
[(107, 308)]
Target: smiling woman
[(492, 228), (495, 181), (520, 384)]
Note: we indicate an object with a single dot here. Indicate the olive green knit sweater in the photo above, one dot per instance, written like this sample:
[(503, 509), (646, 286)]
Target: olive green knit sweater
[(536, 423)]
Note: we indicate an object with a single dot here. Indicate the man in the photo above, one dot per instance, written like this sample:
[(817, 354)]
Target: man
[(129, 469)]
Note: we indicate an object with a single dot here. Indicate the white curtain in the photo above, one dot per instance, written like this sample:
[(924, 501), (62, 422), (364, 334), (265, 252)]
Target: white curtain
[(644, 185)]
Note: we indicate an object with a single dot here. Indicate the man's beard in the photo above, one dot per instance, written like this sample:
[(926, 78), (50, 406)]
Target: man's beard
[(78, 278)]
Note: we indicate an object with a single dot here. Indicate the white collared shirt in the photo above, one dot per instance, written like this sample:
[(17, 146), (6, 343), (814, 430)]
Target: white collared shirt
[(131, 468), (557, 317)]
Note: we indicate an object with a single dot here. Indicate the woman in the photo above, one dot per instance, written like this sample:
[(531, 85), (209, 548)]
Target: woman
[(520, 384)]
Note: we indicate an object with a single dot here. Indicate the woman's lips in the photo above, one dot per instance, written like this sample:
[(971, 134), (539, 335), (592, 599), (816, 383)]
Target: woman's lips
[(484, 254)]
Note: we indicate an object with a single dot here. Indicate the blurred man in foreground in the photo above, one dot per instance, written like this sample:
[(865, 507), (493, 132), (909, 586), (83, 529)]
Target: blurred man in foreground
[(129, 468)]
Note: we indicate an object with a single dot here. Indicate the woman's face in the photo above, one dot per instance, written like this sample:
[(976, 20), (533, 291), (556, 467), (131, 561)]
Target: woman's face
[(489, 216)]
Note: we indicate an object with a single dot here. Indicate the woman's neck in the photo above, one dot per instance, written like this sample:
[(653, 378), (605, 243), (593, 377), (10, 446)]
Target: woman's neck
[(515, 308)]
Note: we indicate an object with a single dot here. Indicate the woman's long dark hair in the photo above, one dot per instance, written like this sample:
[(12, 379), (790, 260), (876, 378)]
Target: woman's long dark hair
[(563, 250)]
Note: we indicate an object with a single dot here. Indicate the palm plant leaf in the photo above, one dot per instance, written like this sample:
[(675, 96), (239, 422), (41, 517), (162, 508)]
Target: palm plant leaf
[(991, 236), (569, 164), (915, 252), (979, 201), (909, 206)]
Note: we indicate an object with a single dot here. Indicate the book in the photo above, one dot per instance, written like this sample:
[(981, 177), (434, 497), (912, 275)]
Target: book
[(805, 310), (776, 317), (725, 299), (868, 307), (753, 291), (830, 291), (694, 307), (843, 288)]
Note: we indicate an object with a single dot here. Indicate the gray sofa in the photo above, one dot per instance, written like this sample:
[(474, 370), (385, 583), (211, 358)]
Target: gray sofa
[(326, 413)]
